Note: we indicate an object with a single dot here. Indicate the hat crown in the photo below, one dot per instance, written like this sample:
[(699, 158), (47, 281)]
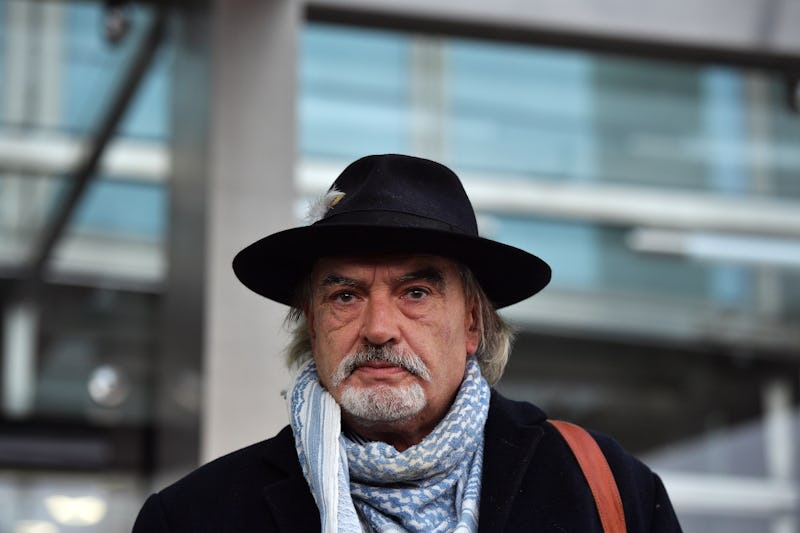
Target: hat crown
[(399, 190)]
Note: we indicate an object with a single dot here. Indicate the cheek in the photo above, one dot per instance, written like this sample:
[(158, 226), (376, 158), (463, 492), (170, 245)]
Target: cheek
[(330, 319), (332, 340), (446, 349)]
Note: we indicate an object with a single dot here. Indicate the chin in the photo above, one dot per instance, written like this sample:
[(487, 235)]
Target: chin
[(383, 403)]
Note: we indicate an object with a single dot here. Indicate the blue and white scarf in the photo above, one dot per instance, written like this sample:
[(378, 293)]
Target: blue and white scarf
[(433, 486)]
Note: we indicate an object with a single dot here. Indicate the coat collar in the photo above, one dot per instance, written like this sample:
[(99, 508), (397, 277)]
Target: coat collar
[(288, 499), (512, 435)]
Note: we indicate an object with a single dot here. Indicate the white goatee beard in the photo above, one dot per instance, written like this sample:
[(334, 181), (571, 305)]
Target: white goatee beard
[(382, 403)]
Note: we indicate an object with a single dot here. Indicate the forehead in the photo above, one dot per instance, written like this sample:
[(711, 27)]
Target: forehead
[(397, 264)]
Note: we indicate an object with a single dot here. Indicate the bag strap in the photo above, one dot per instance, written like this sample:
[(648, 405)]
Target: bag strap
[(597, 473)]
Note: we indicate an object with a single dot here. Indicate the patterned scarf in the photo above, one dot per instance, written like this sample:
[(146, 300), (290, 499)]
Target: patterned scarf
[(432, 487)]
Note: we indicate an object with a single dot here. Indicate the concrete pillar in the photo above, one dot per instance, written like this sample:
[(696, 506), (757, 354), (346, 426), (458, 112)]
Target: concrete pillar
[(250, 194)]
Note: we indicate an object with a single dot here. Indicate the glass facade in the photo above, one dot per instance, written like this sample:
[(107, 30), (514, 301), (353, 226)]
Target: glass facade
[(665, 194), (686, 352), (57, 92), (78, 360), (525, 119)]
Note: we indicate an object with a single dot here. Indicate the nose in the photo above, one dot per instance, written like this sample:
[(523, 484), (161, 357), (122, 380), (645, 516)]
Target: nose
[(379, 324)]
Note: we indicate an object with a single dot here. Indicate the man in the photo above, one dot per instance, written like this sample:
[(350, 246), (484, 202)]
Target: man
[(394, 426)]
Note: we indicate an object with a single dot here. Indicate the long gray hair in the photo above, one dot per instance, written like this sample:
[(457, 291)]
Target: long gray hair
[(495, 340)]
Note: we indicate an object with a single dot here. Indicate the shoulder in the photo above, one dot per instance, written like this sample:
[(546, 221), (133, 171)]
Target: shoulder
[(226, 490), (552, 475), (508, 416), (264, 461), (513, 412), (644, 497)]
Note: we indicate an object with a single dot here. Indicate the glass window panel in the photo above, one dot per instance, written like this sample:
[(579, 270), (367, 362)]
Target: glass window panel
[(353, 92), (576, 116), (514, 111), (130, 209), (5, 37), (94, 67), (89, 69), (596, 258)]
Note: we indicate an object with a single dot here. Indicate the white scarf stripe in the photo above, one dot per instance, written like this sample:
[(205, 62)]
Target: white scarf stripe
[(320, 453), (431, 487)]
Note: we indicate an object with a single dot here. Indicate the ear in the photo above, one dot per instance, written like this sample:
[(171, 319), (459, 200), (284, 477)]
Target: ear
[(473, 327)]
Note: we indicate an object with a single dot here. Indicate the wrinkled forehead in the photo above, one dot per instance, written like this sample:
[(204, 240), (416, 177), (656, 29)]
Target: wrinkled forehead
[(390, 261), (395, 263)]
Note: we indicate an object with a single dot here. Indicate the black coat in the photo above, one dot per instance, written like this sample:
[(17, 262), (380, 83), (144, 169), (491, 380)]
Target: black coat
[(531, 482)]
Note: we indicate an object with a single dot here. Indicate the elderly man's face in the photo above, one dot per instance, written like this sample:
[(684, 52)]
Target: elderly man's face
[(390, 337)]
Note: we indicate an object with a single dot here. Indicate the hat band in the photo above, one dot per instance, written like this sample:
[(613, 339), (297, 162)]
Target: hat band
[(379, 217)]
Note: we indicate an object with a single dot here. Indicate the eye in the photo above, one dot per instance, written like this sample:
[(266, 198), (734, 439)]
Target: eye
[(417, 293), (343, 297)]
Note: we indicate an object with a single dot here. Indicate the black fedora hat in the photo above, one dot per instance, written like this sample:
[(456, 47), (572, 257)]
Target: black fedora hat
[(385, 204)]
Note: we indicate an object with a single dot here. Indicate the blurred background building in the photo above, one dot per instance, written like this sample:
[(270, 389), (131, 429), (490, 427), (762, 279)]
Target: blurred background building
[(649, 151)]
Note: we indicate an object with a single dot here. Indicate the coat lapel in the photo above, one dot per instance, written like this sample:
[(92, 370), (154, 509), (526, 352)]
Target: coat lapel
[(288, 499), (509, 446), (292, 506)]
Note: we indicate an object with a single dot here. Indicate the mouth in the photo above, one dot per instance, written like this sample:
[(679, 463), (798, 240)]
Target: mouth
[(381, 364), (377, 369)]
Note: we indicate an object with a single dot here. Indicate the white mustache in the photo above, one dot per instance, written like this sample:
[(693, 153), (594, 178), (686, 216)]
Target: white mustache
[(408, 361)]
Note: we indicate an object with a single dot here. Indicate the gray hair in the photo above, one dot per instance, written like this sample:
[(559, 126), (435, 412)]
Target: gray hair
[(493, 349)]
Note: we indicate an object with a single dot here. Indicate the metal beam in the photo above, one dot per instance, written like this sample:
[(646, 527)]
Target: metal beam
[(670, 320), (757, 33), (38, 154), (730, 495), (85, 170)]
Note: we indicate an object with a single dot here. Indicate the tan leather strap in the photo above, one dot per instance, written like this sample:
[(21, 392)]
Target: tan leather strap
[(597, 473)]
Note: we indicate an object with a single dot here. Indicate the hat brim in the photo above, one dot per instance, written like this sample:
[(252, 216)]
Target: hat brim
[(274, 265)]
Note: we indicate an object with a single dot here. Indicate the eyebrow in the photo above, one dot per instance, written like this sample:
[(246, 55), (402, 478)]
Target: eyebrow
[(337, 279), (432, 275)]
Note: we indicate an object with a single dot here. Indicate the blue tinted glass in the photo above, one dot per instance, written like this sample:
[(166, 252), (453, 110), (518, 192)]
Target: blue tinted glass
[(353, 92), (149, 112), (525, 112), (3, 39), (592, 258), (573, 247), (93, 70), (522, 112), (726, 126), (128, 208)]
